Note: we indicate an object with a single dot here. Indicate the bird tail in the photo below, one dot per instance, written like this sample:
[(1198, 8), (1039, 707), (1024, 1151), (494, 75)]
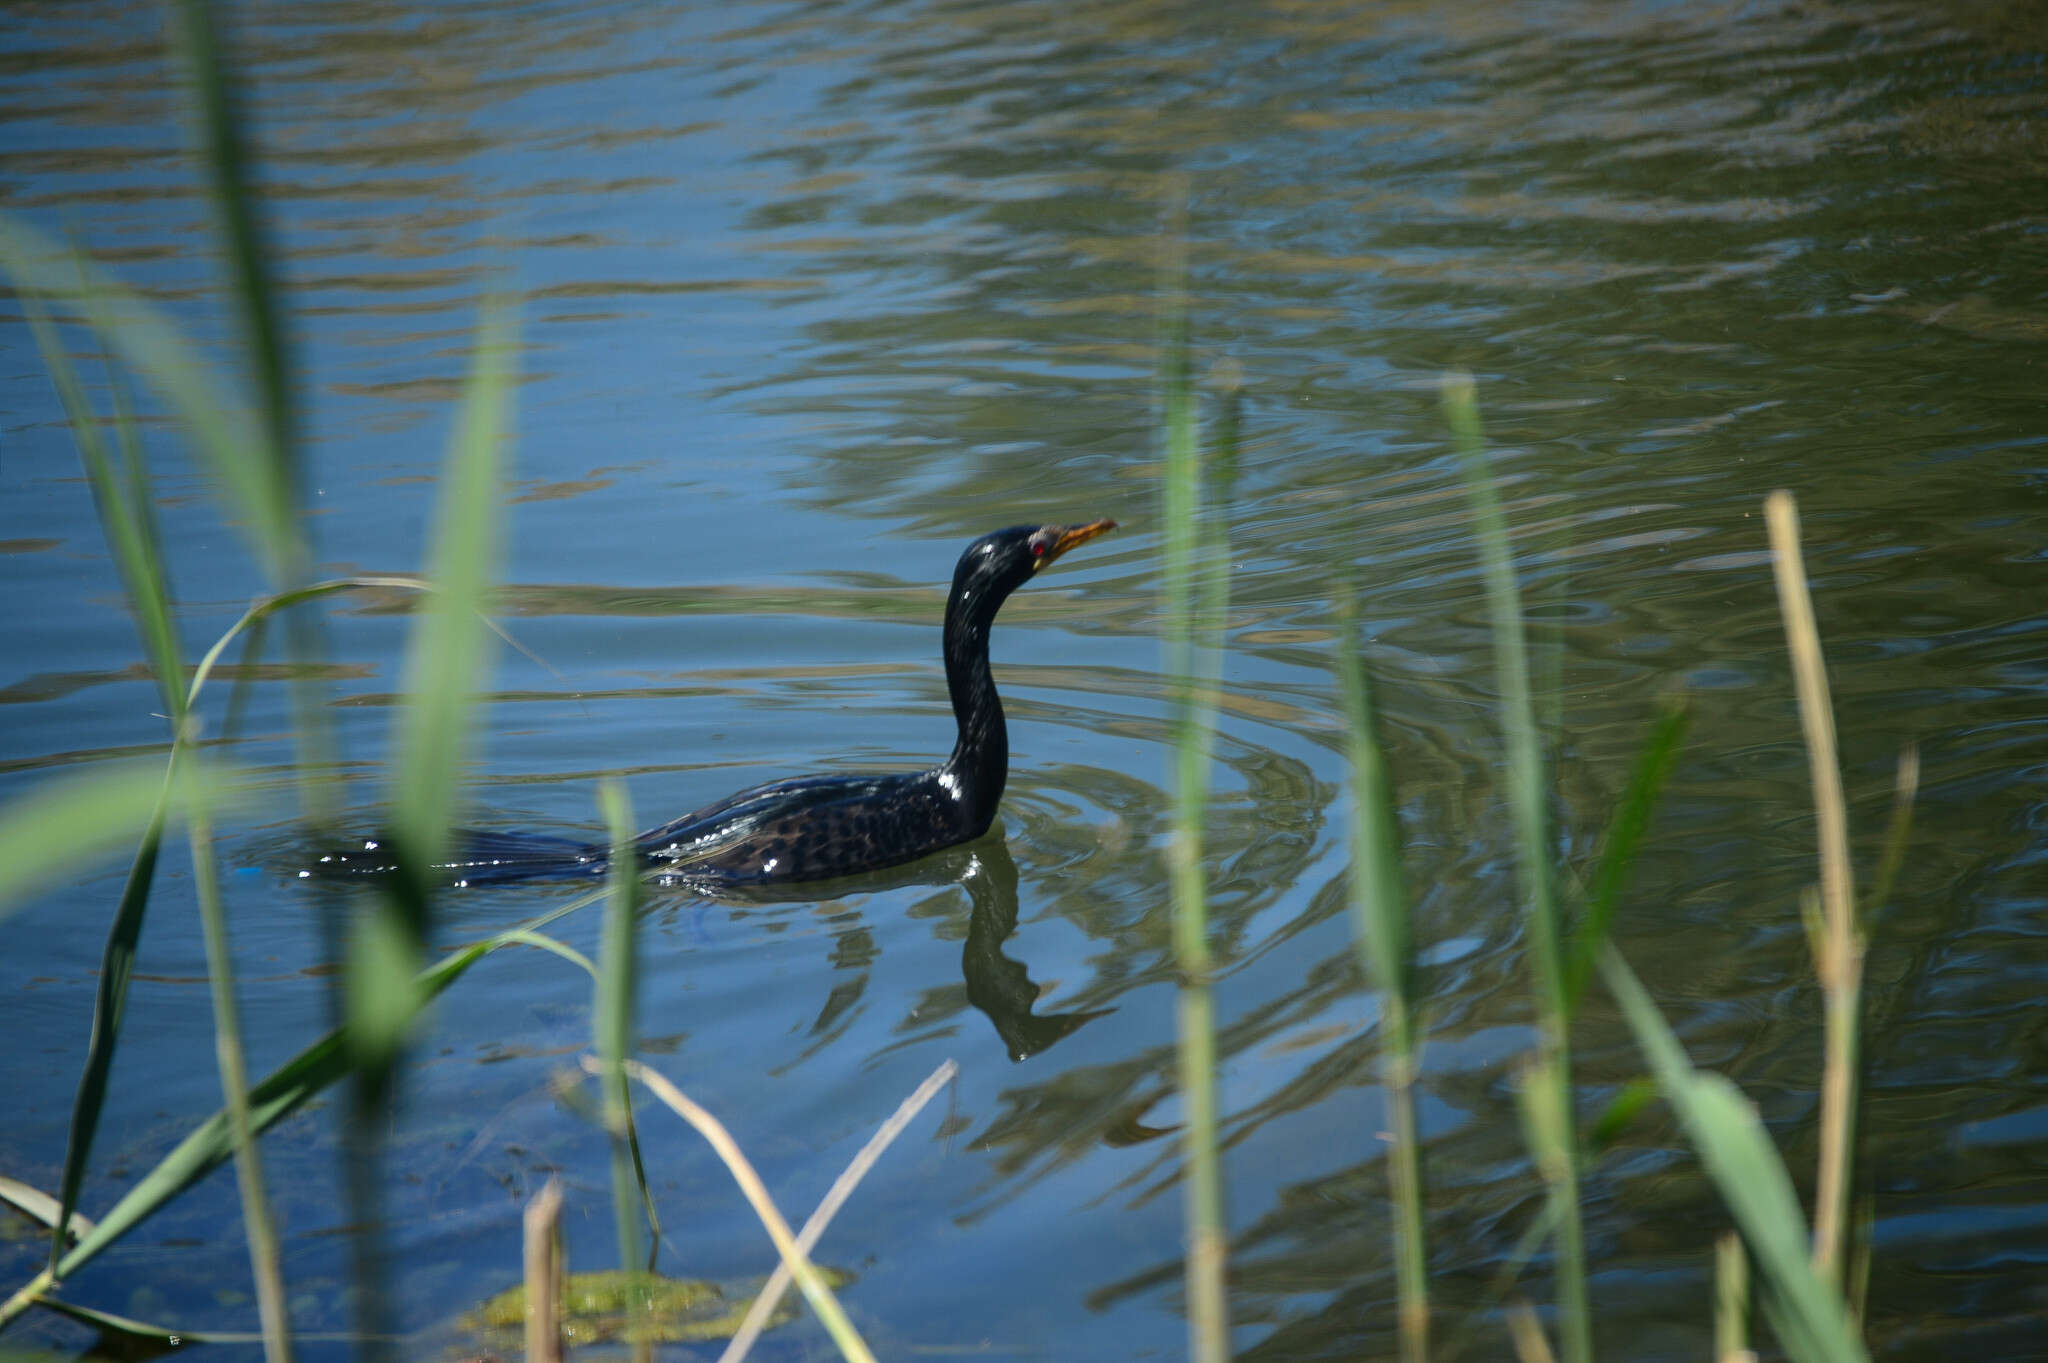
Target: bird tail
[(482, 856), (478, 856)]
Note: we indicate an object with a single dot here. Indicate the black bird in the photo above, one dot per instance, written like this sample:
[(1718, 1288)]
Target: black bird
[(817, 827), (821, 827)]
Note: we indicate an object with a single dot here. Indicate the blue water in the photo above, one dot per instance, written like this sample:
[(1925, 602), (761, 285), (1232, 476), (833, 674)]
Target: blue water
[(809, 296)]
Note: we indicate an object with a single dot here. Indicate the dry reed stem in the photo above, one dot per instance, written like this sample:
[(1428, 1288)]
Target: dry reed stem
[(1839, 962), (827, 1307), (842, 1188), (544, 1274), (1527, 1332)]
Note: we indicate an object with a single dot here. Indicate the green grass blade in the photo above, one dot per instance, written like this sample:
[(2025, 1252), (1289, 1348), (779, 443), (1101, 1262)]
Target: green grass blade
[(207, 1146), (1619, 1114), (110, 1006), (141, 499), (264, 1260), (1526, 808), (1624, 835), (38, 1205), (274, 1098), (65, 825), (1379, 908), (380, 994), (125, 518), (220, 137), (127, 522), (553, 946), (1181, 546), (236, 710), (264, 608), (225, 434), (218, 132), (166, 1336), (446, 654), (1526, 798), (1811, 1317), (612, 1009), (444, 665), (1379, 897)]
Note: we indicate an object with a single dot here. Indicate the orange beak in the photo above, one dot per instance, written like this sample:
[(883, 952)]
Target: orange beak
[(1075, 534)]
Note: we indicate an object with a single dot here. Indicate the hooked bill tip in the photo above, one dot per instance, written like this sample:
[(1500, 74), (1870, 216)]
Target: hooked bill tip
[(1078, 534)]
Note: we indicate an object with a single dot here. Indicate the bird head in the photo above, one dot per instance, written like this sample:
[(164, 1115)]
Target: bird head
[(998, 563)]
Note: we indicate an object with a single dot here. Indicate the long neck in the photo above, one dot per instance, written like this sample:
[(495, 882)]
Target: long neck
[(981, 757)]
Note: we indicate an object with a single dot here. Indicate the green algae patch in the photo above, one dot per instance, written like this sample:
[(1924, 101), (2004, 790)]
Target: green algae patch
[(617, 1305)]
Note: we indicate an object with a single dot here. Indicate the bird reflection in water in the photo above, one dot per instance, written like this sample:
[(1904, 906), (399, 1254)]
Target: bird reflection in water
[(998, 985)]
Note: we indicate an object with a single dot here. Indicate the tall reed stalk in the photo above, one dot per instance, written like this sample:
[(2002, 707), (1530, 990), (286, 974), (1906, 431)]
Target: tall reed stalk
[(613, 1008), (264, 1259), (128, 521), (1551, 1108), (1196, 588), (1837, 941), (213, 116), (1800, 1268), (1382, 935)]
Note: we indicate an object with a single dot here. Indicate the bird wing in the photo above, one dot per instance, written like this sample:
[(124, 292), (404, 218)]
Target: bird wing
[(705, 832)]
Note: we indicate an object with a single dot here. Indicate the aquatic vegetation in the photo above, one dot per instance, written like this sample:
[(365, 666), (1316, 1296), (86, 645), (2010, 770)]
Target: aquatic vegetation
[(632, 1306), (1804, 1294)]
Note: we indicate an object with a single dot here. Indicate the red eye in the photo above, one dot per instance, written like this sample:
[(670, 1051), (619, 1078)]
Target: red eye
[(1037, 549)]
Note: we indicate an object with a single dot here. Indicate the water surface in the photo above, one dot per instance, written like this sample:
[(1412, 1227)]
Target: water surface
[(813, 294)]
